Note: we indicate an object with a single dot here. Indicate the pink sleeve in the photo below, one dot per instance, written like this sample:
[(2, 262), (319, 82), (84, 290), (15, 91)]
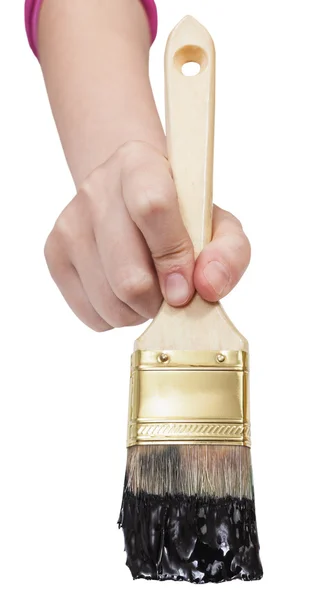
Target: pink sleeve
[(32, 8)]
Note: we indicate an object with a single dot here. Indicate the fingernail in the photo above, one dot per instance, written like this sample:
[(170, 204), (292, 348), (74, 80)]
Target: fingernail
[(217, 276), (176, 289)]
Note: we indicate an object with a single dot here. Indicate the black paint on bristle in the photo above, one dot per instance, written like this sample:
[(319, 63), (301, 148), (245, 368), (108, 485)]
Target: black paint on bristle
[(187, 538)]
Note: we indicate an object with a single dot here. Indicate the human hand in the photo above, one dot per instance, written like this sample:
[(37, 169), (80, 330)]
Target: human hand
[(120, 245)]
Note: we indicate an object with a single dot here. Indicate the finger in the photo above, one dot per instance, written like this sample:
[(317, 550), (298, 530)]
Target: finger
[(87, 263), (222, 262), (150, 196), (74, 227), (66, 278), (122, 250)]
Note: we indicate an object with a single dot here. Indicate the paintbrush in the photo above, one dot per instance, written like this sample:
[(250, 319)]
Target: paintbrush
[(188, 509)]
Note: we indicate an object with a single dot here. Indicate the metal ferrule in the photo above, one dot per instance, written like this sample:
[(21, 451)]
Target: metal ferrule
[(189, 398)]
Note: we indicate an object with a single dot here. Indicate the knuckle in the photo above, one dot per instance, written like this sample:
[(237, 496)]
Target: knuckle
[(155, 201), (179, 252), (62, 228), (69, 223), (93, 185), (134, 286), (231, 220), (237, 254), (73, 226), (87, 188), (53, 256), (96, 194), (134, 154), (131, 149), (238, 242), (236, 222)]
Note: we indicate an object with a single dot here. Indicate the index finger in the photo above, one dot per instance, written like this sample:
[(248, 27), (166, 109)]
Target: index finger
[(150, 196)]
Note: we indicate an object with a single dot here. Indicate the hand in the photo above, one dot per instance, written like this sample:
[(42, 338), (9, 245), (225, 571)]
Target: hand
[(121, 245)]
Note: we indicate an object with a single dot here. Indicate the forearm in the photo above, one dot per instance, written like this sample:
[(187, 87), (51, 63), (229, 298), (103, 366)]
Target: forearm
[(94, 57)]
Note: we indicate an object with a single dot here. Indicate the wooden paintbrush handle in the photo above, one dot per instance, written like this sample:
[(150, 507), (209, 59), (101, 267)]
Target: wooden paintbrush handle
[(190, 110), (190, 106)]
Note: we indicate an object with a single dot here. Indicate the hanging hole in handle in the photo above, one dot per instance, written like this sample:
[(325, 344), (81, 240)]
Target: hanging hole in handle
[(190, 60), (190, 69)]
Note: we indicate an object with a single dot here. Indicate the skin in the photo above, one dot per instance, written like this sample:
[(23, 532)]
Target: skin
[(120, 246)]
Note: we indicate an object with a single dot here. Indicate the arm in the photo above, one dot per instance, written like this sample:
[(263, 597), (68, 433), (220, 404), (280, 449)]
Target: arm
[(94, 57), (120, 245)]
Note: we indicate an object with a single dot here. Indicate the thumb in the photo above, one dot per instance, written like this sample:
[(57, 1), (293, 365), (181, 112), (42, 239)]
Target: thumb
[(222, 263), (150, 196)]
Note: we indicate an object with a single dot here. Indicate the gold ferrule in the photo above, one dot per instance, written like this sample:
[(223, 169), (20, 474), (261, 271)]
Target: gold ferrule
[(189, 398)]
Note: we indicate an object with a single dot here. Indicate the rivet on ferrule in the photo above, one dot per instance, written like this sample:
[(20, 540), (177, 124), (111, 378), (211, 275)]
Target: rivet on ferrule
[(163, 358), (220, 358)]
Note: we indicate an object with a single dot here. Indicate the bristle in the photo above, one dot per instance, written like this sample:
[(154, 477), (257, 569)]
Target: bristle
[(188, 514), (202, 470)]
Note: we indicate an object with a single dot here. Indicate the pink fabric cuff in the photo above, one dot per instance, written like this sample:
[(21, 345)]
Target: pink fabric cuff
[(32, 8)]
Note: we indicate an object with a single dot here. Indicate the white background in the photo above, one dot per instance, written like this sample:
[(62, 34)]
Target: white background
[(64, 388)]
